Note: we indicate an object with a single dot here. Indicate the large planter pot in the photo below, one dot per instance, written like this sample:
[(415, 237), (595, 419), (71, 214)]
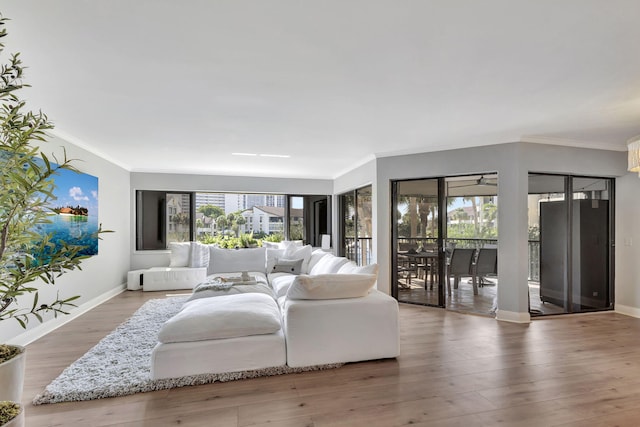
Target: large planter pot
[(12, 377)]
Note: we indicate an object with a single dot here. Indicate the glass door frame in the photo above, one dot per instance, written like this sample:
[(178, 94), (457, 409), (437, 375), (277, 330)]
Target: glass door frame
[(440, 240), (569, 250)]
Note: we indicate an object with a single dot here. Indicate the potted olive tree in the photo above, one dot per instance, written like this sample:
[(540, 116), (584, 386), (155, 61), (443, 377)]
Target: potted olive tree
[(11, 414), (28, 259)]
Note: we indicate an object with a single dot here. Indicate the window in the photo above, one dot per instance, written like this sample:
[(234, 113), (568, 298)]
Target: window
[(356, 225), (163, 217), (296, 218)]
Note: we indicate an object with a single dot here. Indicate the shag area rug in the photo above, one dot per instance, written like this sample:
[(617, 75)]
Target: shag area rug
[(120, 364)]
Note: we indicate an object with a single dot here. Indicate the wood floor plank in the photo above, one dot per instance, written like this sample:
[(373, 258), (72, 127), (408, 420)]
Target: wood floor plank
[(454, 370)]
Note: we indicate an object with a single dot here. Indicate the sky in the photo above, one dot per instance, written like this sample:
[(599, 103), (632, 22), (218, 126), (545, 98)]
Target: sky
[(73, 189)]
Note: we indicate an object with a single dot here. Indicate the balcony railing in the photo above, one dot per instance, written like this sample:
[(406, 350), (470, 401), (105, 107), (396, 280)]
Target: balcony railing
[(534, 249), (358, 250)]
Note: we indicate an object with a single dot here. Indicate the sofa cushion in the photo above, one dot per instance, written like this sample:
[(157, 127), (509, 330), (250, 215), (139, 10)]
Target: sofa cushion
[(353, 268), (347, 268), (199, 256), (272, 256), (235, 260), (328, 265), (366, 269), (286, 243), (331, 286), (280, 283), (201, 291), (316, 256), (222, 317), (284, 265), (299, 252), (180, 253)]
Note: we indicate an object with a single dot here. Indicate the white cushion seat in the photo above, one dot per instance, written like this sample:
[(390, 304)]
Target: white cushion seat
[(328, 265), (280, 283), (226, 316)]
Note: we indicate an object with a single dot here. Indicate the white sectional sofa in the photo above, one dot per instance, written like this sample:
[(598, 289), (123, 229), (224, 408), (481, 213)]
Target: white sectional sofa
[(302, 308)]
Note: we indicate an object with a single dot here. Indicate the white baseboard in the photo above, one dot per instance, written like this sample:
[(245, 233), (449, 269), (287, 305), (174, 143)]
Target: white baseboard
[(50, 325), (627, 310), (512, 316)]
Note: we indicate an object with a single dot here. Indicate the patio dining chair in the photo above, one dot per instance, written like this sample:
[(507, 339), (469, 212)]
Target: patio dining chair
[(461, 265), (486, 264)]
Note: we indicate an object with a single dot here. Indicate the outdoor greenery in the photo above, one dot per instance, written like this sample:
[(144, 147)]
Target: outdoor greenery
[(418, 218), (247, 240), (296, 231), (8, 411), (211, 211), (228, 233), (26, 190)]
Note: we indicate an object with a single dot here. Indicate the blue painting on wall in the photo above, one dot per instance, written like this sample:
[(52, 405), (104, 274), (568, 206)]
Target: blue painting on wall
[(74, 217)]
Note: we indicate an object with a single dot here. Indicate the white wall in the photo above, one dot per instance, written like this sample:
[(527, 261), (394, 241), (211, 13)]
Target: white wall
[(209, 183), (627, 297), (103, 275), (512, 162)]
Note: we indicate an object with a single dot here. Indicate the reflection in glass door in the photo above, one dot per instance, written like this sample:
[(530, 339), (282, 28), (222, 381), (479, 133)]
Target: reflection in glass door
[(417, 241), (356, 225), (570, 244)]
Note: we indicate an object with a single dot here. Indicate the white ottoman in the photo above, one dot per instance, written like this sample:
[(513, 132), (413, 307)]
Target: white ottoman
[(133, 279), (172, 278)]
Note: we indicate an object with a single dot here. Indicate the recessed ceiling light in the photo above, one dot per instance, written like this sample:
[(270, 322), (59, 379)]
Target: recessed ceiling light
[(243, 154), (282, 156)]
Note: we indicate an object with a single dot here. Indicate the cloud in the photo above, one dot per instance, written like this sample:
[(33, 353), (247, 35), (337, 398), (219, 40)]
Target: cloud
[(94, 194), (76, 194)]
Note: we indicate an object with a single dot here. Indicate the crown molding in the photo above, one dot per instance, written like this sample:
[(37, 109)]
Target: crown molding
[(567, 142)]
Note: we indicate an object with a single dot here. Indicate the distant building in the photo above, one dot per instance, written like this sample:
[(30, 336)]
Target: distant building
[(214, 199), (238, 202), (268, 219)]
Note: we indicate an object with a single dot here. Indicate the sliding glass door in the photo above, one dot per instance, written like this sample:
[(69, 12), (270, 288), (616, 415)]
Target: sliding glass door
[(417, 242), (356, 225), (570, 244)]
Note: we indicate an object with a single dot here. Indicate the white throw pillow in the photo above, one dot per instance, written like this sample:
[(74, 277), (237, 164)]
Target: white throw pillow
[(272, 256), (331, 286), (286, 243), (199, 255), (291, 266), (180, 252), (347, 268), (366, 269), (222, 317), (299, 252), (328, 265), (316, 256)]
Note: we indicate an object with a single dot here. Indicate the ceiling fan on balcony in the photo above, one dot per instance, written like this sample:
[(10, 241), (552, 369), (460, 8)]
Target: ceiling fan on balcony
[(482, 181)]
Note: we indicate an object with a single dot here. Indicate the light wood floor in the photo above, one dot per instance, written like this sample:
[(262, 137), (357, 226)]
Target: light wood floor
[(454, 370), (464, 301)]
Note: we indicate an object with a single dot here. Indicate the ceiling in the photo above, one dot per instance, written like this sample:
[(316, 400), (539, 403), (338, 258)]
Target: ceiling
[(170, 86)]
